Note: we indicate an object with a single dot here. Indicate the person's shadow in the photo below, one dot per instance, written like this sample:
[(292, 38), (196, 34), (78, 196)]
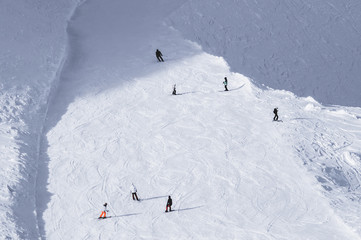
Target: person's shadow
[(190, 208), (234, 89), (184, 93), (125, 215), (151, 198)]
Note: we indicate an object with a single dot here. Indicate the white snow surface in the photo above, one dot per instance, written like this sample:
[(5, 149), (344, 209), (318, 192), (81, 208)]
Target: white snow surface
[(32, 46), (309, 47), (87, 111)]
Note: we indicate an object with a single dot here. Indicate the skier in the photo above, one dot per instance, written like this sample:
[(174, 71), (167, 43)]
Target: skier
[(275, 111), (174, 90), (169, 204), (225, 83), (104, 213), (133, 190), (159, 55)]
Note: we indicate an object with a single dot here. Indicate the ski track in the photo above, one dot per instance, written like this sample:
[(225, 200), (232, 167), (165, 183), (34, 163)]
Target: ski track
[(114, 123)]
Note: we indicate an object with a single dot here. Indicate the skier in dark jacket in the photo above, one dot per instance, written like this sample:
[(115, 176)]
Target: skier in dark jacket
[(159, 55), (169, 204), (225, 83), (275, 111), (174, 90)]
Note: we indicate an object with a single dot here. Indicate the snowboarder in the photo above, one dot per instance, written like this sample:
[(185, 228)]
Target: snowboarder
[(275, 111), (104, 213), (225, 83), (169, 205), (174, 90), (133, 190), (159, 55)]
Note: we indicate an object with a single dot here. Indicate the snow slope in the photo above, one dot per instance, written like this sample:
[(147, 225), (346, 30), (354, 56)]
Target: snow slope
[(232, 172), (111, 121), (311, 48), (32, 44)]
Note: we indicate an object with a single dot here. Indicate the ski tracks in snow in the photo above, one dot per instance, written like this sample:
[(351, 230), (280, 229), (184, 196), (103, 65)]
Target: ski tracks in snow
[(226, 165), (320, 138), (326, 150)]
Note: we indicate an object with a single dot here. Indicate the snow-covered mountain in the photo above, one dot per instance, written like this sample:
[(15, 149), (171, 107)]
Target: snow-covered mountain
[(311, 48), (87, 110), (32, 47)]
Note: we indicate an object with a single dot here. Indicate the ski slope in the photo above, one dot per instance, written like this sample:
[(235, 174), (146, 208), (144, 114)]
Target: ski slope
[(231, 171), (103, 117)]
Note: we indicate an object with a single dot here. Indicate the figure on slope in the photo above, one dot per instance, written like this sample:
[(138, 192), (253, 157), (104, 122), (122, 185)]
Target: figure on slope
[(169, 204), (159, 55), (275, 111), (225, 83), (174, 90), (133, 190), (104, 212)]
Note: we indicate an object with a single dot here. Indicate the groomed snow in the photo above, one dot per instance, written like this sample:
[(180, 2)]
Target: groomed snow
[(111, 121)]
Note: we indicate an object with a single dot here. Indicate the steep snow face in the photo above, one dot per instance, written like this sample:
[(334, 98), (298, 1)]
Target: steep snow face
[(232, 172), (32, 45), (310, 48)]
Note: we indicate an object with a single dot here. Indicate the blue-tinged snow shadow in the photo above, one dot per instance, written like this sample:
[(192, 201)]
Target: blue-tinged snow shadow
[(125, 215), (23, 192), (105, 60), (43, 196), (193, 92), (233, 89), (185, 93), (152, 198), (190, 208)]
